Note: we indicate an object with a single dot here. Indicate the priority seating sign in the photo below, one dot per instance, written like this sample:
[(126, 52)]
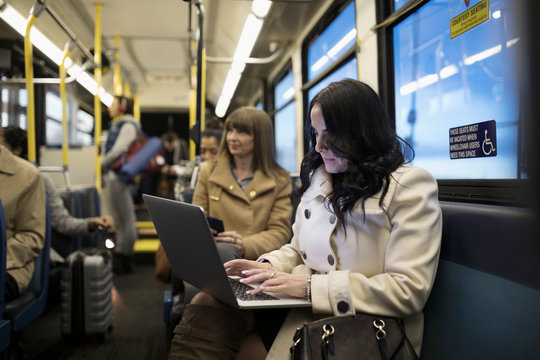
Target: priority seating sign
[(473, 140)]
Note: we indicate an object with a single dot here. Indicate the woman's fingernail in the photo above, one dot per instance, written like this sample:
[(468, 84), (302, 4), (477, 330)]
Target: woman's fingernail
[(248, 292), (261, 287), (241, 280), (244, 272)]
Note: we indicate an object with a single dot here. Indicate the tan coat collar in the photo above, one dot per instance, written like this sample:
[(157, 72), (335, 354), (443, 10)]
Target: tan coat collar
[(222, 177), (7, 161)]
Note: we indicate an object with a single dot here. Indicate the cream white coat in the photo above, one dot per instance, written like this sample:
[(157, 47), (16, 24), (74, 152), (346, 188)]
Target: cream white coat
[(383, 262)]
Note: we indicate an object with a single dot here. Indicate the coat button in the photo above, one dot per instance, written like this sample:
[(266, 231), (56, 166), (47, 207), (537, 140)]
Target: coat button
[(342, 306), (333, 219), (252, 194), (307, 213), (330, 259), (231, 187), (304, 255)]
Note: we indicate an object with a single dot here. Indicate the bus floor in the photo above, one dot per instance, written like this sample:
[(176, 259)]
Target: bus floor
[(138, 331)]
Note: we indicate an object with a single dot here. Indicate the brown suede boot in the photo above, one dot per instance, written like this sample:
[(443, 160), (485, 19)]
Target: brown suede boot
[(208, 332)]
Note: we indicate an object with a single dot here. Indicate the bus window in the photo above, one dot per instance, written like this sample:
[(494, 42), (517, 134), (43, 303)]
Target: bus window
[(285, 123), (348, 70), (456, 97), (85, 127), (5, 107), (53, 123), (332, 43), (399, 3)]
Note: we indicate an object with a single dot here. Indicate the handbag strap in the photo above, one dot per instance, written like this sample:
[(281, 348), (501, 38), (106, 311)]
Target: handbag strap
[(384, 347)]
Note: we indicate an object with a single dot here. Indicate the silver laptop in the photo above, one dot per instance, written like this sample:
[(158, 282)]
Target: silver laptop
[(190, 247)]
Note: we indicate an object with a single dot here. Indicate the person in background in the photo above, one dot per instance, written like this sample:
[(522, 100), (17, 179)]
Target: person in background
[(174, 150), (123, 132), (15, 139), (23, 200), (367, 237), (246, 188), (210, 141)]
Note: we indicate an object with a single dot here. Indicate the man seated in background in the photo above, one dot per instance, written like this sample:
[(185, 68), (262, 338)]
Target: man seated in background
[(23, 199), (15, 139)]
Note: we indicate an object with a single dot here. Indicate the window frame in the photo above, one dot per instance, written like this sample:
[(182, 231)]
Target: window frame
[(285, 70), (331, 14), (508, 192)]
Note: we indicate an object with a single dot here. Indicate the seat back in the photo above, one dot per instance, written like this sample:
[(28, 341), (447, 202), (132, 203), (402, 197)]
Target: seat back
[(486, 296)]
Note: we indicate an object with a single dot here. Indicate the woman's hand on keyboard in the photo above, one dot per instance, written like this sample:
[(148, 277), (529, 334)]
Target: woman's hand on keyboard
[(237, 266), (270, 280)]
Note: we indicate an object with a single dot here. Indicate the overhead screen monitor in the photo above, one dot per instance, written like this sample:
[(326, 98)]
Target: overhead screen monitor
[(456, 88)]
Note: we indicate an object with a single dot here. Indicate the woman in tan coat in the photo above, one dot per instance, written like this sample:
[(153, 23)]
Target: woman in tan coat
[(249, 191), (246, 188), (367, 235)]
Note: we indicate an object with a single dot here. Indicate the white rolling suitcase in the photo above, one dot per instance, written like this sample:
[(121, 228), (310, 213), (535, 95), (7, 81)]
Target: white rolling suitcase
[(86, 293)]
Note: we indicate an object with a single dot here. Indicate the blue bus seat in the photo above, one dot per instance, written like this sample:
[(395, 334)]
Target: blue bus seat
[(485, 299), (91, 207), (26, 308), (5, 325)]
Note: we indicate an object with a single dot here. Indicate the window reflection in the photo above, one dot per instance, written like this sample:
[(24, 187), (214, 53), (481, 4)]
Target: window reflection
[(443, 83), (333, 42), (285, 123)]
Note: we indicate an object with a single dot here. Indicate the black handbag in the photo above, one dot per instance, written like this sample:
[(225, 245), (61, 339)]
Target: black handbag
[(360, 336)]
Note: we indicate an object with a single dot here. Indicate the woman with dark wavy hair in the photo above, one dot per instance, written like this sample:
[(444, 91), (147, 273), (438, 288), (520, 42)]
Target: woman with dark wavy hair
[(367, 231)]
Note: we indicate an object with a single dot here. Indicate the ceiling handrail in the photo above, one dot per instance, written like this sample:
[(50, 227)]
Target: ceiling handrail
[(250, 60), (69, 80)]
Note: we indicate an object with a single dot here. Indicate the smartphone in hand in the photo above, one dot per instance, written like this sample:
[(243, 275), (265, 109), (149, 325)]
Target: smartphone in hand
[(216, 223)]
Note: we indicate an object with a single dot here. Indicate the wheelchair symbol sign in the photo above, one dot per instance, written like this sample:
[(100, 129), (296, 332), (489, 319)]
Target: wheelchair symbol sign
[(487, 145), (473, 140)]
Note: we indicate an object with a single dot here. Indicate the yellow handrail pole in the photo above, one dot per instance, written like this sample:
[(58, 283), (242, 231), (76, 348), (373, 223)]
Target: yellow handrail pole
[(30, 108), (192, 115), (97, 101), (137, 108), (127, 91), (203, 90), (117, 75), (65, 159)]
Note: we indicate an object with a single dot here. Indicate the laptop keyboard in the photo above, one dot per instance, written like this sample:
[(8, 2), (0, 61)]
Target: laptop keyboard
[(240, 292)]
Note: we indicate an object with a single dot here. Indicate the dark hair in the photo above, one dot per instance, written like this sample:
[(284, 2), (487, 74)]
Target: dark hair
[(257, 123), (214, 123), (170, 136), (125, 104), (16, 137), (359, 130), (215, 133)]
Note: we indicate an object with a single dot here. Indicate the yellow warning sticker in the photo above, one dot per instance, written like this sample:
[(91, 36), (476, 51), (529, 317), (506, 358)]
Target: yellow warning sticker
[(469, 18)]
